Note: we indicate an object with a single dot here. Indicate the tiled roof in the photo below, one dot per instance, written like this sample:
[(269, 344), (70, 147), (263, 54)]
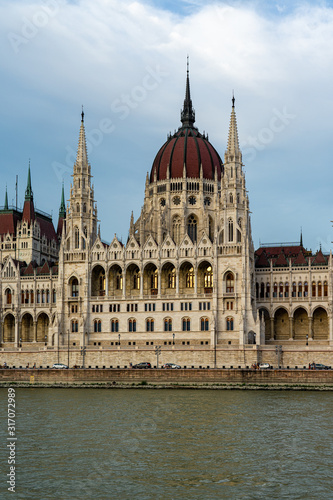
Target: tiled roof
[(319, 259), (281, 260), (300, 260), (8, 222), (262, 261)]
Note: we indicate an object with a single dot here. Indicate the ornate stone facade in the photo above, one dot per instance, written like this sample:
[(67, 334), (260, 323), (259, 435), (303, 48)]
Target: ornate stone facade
[(188, 277)]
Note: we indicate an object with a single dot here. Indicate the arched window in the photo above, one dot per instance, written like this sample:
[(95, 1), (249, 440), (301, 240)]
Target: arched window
[(22, 297), (231, 198), (47, 296), (176, 229), (84, 208), (230, 283), (237, 197), (275, 290), (286, 289), (280, 290), (306, 289), (192, 228), (38, 297), (208, 277), (190, 278), (294, 289), (114, 325), (313, 289), (119, 280), (204, 323), (230, 230), (168, 325), (31, 296), (230, 324), (54, 296), (75, 288), (149, 325), (154, 280), (300, 289), (43, 296), (325, 289), (78, 206), (136, 280), (221, 238), (186, 324), (319, 289), (262, 290), (75, 326), (132, 325), (172, 279), (76, 237), (97, 325), (257, 290), (239, 236), (268, 290)]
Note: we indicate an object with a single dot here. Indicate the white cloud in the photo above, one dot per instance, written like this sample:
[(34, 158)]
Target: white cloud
[(99, 53)]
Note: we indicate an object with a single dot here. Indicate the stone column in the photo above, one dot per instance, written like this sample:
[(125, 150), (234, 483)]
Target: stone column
[(159, 283), (195, 280), (310, 328), (272, 328), (291, 328), (35, 331), (17, 331), (177, 281), (107, 284), (141, 283), (1, 332), (124, 283)]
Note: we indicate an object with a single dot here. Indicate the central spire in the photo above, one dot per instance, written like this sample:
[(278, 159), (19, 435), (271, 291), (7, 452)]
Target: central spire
[(187, 114)]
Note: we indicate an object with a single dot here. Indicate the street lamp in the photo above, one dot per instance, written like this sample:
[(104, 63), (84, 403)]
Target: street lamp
[(20, 342), (118, 338), (173, 339), (307, 338), (45, 340)]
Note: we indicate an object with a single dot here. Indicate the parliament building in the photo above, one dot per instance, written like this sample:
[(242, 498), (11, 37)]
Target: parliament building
[(188, 280)]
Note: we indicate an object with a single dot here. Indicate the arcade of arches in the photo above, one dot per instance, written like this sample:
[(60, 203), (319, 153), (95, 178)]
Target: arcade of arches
[(134, 281), (28, 329), (296, 326)]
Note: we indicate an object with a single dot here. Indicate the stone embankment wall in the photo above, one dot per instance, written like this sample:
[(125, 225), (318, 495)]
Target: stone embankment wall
[(188, 376), (223, 357)]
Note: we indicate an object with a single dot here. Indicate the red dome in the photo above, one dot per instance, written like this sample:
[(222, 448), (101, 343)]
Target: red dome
[(190, 148)]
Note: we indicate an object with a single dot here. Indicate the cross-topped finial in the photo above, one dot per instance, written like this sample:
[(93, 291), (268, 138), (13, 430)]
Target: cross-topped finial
[(233, 98), (82, 114)]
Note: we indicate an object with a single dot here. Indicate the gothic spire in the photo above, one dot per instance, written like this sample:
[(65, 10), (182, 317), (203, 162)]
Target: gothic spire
[(6, 200), (188, 113), (233, 144), (62, 209), (82, 156), (28, 191)]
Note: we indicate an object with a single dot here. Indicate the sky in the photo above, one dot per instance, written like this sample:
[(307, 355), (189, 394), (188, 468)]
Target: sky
[(125, 62)]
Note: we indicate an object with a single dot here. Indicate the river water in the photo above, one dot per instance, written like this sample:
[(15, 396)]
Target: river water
[(170, 444)]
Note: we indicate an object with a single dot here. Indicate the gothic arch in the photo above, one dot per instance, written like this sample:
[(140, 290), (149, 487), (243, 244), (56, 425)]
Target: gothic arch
[(320, 326)]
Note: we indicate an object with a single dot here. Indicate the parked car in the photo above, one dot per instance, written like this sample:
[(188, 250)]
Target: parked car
[(264, 366), (319, 366), (171, 365), (142, 365), (59, 365)]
